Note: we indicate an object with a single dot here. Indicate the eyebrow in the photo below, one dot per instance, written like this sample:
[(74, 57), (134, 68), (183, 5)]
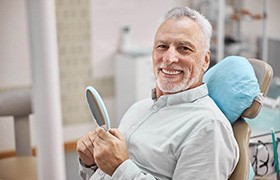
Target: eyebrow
[(161, 41), (188, 43)]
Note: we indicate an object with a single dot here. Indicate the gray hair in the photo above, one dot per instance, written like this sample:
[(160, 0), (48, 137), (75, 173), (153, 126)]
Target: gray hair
[(203, 23)]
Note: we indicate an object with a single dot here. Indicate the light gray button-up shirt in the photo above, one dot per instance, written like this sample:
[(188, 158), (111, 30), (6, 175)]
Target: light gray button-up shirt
[(179, 136)]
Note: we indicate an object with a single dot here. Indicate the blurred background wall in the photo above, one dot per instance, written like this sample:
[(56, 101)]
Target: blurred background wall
[(88, 35)]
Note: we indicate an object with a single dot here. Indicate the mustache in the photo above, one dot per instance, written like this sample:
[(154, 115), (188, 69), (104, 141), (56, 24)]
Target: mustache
[(170, 66)]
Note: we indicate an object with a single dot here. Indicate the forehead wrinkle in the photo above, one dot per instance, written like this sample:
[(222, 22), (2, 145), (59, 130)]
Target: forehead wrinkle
[(183, 28)]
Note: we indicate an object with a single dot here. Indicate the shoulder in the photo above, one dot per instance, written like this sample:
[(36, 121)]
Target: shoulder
[(141, 105), (139, 108), (209, 109)]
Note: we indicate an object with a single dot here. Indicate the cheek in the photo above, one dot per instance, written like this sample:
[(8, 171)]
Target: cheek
[(196, 63), (156, 57), (156, 60), (189, 65), (197, 71)]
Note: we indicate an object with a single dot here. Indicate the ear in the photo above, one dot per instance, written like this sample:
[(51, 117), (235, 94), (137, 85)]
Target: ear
[(206, 61)]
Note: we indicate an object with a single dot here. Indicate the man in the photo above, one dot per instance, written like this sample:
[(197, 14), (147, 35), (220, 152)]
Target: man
[(181, 133)]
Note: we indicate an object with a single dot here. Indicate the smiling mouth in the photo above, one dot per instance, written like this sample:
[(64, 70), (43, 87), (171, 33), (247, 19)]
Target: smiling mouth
[(170, 72)]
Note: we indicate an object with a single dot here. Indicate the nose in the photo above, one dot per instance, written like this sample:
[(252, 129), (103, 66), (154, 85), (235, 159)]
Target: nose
[(171, 56)]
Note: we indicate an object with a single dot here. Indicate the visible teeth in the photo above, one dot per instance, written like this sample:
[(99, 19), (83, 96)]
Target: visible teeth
[(171, 72)]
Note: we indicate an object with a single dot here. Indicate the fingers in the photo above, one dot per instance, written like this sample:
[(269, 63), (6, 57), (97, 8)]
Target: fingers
[(109, 150), (88, 140), (101, 137), (85, 148), (91, 137), (85, 144), (85, 155), (116, 133), (104, 138), (102, 134)]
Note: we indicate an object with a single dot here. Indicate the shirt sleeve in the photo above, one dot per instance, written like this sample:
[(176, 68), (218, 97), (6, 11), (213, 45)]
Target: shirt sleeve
[(210, 153), (129, 170), (126, 171), (84, 172)]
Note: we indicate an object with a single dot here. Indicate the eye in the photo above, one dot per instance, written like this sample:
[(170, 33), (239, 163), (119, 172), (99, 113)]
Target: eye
[(161, 47), (184, 48)]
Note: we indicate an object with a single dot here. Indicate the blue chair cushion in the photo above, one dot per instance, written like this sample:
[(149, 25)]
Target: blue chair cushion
[(233, 85)]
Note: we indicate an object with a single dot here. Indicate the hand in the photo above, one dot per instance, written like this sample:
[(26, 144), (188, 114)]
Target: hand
[(85, 148), (109, 150)]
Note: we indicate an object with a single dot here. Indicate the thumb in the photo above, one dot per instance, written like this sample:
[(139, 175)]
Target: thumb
[(116, 133)]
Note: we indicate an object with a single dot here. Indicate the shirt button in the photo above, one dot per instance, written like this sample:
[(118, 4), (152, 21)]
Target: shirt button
[(101, 173), (155, 107), (133, 127)]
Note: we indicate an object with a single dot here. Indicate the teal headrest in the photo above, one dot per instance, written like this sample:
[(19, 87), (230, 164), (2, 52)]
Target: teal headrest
[(233, 85)]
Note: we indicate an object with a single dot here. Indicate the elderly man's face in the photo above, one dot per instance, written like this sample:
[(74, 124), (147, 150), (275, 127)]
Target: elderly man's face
[(179, 58)]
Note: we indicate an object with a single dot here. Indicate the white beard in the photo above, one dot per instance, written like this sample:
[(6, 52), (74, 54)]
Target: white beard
[(170, 87)]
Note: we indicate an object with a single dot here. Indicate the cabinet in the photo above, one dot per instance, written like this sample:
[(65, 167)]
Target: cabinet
[(133, 78)]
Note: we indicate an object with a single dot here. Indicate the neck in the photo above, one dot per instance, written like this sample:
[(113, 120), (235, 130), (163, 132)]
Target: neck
[(160, 93)]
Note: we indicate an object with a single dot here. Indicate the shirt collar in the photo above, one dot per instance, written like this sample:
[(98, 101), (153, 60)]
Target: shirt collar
[(181, 97)]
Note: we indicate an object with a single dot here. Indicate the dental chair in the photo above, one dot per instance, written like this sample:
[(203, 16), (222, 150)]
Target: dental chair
[(241, 129), (17, 103), (237, 85)]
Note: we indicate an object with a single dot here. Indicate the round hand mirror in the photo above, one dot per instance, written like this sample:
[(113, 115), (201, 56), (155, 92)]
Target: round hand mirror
[(97, 108)]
